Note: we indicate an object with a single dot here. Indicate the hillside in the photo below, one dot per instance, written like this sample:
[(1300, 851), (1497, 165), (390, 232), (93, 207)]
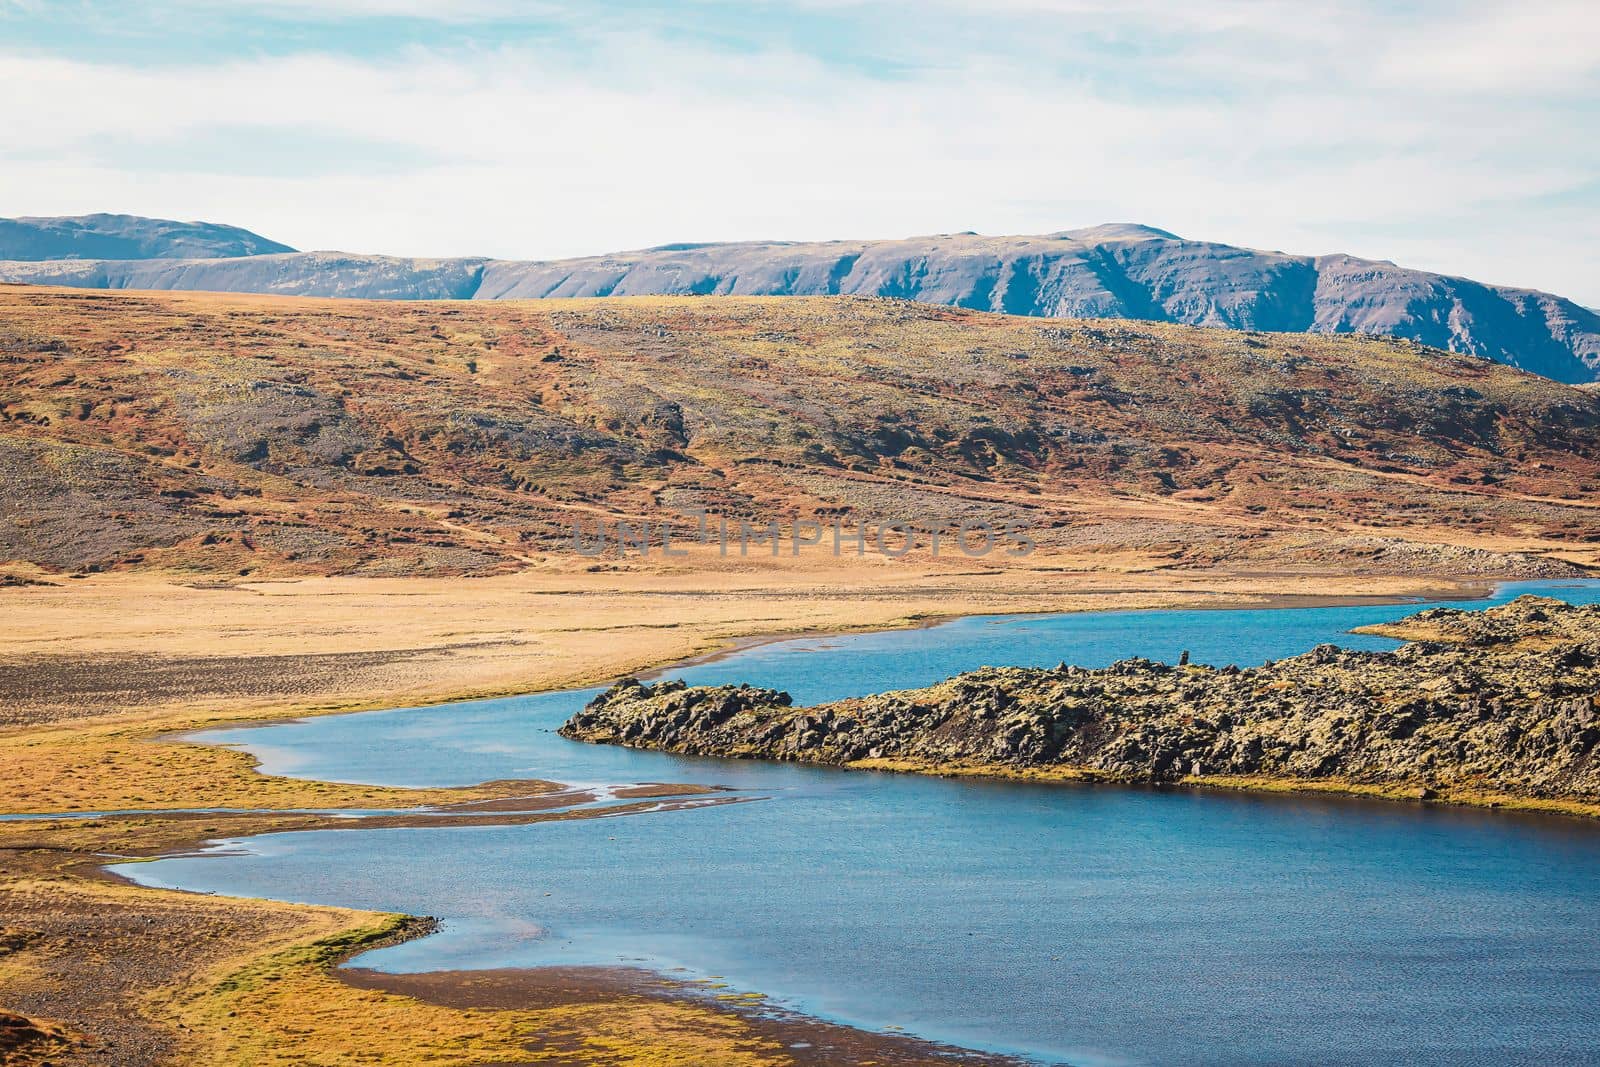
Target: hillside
[(126, 237), (265, 435), (1115, 271)]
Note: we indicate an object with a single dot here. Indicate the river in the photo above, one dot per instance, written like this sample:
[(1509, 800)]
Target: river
[(1078, 924)]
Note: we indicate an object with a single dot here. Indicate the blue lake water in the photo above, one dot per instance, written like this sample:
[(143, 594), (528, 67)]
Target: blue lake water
[(1089, 925)]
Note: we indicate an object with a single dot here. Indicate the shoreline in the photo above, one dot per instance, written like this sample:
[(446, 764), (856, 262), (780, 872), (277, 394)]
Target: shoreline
[(793, 1038), (169, 726), (1133, 597), (1472, 591), (808, 1040), (963, 721), (727, 648), (1250, 785), (196, 828)]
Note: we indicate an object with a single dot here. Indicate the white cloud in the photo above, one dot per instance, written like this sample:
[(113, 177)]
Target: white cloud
[(1519, 49), (1241, 123), (432, 10)]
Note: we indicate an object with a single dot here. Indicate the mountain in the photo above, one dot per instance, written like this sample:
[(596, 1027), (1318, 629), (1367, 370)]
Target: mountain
[(1115, 271), (126, 237), (274, 435)]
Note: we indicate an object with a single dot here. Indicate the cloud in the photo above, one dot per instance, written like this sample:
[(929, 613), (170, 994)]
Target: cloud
[(431, 10), (1366, 131), (1550, 47)]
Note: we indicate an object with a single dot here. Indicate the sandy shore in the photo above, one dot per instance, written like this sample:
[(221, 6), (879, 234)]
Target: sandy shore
[(97, 673), (804, 1041)]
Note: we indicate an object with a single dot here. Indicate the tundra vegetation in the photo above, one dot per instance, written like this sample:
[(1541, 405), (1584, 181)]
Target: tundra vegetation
[(262, 437)]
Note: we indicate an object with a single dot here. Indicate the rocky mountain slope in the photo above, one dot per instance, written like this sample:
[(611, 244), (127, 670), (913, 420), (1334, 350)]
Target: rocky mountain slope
[(1499, 703), (126, 237), (268, 435), (1115, 271)]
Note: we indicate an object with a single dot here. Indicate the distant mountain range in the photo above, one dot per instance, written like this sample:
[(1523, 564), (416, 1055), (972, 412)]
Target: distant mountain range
[(1113, 271), (122, 237)]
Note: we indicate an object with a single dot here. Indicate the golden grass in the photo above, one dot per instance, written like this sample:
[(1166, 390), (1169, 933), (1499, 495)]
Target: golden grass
[(286, 1009), (107, 768)]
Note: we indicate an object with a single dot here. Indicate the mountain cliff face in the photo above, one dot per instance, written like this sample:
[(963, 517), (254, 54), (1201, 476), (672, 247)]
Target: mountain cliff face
[(126, 237), (1116, 271)]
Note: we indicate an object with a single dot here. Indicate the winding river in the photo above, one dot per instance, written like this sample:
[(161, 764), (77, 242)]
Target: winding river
[(1088, 925)]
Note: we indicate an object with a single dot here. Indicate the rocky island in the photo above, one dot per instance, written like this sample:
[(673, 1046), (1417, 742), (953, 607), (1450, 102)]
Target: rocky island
[(1494, 707)]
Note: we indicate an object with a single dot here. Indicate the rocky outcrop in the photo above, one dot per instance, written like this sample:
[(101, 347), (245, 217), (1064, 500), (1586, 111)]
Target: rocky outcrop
[(1114, 271), (1496, 703)]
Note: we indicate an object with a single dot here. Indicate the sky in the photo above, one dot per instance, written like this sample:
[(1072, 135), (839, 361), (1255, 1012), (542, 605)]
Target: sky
[(1460, 137)]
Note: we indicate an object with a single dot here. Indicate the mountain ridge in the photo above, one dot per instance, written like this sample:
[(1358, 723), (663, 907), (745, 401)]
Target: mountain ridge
[(104, 236), (1115, 270)]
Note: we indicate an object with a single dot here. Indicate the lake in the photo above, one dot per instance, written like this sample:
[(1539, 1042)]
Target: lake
[(1078, 924)]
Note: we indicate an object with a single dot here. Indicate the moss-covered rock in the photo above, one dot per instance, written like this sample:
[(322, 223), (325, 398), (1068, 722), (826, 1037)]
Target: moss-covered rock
[(1497, 702)]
